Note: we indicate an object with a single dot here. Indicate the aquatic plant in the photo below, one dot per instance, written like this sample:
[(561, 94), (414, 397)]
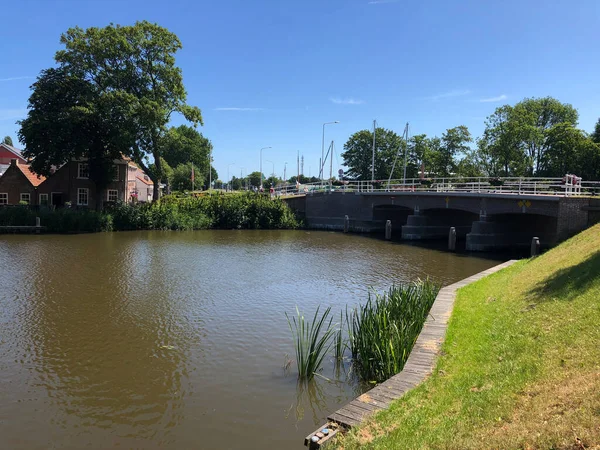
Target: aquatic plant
[(383, 331), (313, 340)]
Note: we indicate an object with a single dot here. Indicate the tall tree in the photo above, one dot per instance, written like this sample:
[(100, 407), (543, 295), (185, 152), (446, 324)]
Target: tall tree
[(596, 134), (570, 150), (184, 144), (182, 178), (254, 179), (454, 142), (7, 140), (358, 154), (135, 66), (67, 119)]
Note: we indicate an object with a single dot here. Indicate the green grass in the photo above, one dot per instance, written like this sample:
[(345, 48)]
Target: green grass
[(520, 367), (382, 332)]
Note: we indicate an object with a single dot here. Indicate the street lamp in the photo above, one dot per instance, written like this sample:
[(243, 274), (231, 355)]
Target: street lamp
[(261, 174), (284, 169), (228, 184), (323, 149)]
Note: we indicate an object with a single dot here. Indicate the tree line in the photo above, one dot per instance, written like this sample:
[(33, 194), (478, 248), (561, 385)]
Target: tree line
[(535, 137)]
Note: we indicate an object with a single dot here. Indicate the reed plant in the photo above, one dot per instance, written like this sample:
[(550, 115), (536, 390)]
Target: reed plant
[(313, 340), (383, 331)]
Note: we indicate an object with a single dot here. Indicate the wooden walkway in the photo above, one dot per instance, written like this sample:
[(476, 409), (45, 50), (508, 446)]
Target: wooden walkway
[(419, 365)]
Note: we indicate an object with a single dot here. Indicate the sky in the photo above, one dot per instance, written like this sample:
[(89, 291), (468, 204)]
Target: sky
[(269, 73)]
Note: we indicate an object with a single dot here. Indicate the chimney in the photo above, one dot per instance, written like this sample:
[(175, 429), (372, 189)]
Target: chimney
[(13, 162)]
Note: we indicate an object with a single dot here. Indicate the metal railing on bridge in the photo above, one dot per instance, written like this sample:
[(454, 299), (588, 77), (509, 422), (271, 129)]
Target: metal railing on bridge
[(569, 185)]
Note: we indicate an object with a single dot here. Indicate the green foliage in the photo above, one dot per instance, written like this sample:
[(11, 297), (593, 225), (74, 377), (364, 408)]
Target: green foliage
[(7, 140), (254, 179), (358, 154), (117, 86), (170, 213), (184, 145), (60, 221), (596, 134), (313, 341), (383, 331), (454, 142), (182, 178)]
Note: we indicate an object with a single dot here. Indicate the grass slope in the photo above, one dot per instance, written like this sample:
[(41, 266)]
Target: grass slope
[(520, 367)]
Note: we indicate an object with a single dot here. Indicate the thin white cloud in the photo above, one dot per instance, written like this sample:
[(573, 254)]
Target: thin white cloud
[(238, 109), (379, 2), (8, 114), (346, 101), (493, 99), (450, 94), (16, 78)]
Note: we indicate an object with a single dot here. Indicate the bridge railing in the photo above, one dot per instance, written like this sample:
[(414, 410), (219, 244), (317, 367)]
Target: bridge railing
[(566, 186)]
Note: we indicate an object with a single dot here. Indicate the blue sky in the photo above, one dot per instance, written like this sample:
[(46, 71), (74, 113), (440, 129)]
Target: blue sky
[(271, 72)]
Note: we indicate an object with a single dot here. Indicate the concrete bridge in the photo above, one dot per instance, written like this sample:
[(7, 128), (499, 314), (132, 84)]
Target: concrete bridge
[(488, 221)]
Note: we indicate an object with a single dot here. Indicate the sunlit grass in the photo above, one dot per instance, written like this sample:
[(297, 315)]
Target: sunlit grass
[(520, 367)]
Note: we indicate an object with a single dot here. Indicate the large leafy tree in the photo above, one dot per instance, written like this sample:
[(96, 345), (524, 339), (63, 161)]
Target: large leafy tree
[(596, 134), (454, 142), (254, 179), (570, 150), (358, 154), (68, 119), (184, 144), (182, 178), (131, 69), (7, 140)]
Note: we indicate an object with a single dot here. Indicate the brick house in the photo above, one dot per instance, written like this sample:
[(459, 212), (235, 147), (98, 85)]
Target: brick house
[(8, 153), (19, 184), (71, 183)]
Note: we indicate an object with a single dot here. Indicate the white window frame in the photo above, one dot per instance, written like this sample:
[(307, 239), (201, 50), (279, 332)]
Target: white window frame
[(116, 192), (3, 198), (87, 195), (85, 168), (47, 199), (28, 195)]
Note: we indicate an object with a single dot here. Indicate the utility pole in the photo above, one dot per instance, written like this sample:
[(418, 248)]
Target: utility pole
[(284, 171), (405, 152), (298, 166), (210, 168), (331, 161), (302, 165), (373, 163)]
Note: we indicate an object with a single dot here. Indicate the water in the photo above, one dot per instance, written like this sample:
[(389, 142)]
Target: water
[(177, 340)]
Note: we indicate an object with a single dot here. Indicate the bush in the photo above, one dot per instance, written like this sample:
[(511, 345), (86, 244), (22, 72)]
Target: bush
[(170, 213)]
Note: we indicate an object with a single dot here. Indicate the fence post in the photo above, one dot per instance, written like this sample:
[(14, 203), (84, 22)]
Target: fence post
[(346, 224), (388, 230), (535, 246), (37, 225), (452, 239)]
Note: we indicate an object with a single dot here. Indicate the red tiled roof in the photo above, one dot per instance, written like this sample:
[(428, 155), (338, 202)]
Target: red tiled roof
[(148, 182), (32, 177)]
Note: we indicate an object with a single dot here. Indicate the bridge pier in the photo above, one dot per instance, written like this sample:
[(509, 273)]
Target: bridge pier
[(429, 227)]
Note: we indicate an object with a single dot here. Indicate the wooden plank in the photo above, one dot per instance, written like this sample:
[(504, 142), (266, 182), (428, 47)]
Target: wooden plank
[(353, 409), (365, 405), (345, 421), (373, 397)]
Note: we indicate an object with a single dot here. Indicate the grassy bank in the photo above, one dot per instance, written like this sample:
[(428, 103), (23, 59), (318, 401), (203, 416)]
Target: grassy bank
[(170, 213), (520, 367)]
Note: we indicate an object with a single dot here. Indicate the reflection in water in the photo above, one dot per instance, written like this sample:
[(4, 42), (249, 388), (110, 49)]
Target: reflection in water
[(174, 340)]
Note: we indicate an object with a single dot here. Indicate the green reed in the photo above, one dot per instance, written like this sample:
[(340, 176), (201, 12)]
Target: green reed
[(313, 340), (383, 331)]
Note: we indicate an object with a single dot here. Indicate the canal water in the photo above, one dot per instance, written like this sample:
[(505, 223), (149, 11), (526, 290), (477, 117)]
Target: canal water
[(178, 340)]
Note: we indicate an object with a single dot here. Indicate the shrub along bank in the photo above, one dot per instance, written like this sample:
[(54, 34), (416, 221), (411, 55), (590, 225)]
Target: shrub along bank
[(243, 211), (520, 368)]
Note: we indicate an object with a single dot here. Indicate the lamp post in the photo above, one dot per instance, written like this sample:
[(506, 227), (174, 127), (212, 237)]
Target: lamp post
[(323, 150), (261, 174), (228, 183), (284, 169), (242, 177)]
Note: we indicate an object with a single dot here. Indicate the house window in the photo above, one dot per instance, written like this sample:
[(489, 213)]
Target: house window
[(83, 170), (3, 198), (82, 196), (25, 197), (115, 173), (112, 195), (43, 199)]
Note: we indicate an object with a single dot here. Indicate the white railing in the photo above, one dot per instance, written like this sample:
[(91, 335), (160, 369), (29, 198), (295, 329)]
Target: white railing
[(570, 185)]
